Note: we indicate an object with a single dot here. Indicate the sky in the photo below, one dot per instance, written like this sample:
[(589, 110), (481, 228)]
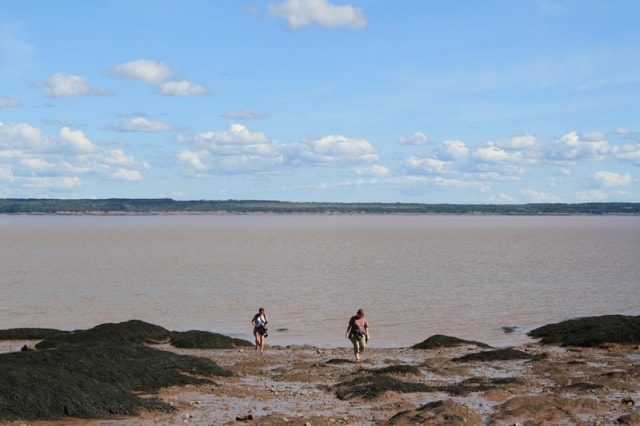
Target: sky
[(461, 101)]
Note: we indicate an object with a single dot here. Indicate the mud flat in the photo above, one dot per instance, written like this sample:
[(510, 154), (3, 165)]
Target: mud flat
[(219, 381)]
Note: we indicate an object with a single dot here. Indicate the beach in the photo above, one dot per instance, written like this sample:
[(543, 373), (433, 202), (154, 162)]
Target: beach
[(304, 385)]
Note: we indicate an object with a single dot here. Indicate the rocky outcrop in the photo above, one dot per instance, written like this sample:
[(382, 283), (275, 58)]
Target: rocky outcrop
[(591, 331), (96, 373)]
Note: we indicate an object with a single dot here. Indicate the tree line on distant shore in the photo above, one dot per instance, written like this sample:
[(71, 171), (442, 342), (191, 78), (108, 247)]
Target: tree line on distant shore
[(168, 205)]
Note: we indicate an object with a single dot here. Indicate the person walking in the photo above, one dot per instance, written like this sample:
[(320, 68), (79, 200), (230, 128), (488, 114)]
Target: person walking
[(358, 333), (259, 322)]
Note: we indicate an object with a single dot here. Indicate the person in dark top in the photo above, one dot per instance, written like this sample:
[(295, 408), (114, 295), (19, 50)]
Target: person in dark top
[(259, 322)]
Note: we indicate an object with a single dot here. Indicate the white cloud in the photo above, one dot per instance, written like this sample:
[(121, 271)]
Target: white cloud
[(34, 161), (426, 164), (128, 175), (181, 88), (302, 13), (68, 85), (190, 161), (334, 149), (491, 154), (375, 170), (236, 150), (8, 102), (144, 70), (142, 124), (608, 179), (573, 147), (461, 184), (452, 150), (418, 138), (630, 152), (76, 139), (227, 141)]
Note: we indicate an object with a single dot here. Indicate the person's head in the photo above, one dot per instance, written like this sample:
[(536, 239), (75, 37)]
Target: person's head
[(261, 310), (360, 313)]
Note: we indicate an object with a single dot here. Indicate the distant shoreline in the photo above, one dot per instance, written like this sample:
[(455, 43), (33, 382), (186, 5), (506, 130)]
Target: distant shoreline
[(167, 206)]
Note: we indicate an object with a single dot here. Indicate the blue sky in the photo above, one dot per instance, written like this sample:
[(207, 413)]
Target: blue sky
[(493, 101)]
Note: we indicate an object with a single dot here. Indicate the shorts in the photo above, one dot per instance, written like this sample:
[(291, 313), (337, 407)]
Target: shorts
[(359, 342)]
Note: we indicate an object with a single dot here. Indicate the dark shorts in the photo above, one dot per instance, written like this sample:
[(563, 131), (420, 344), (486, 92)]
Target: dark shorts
[(259, 330)]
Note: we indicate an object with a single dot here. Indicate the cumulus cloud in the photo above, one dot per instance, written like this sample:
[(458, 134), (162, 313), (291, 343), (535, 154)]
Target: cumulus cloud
[(334, 149), (418, 138), (425, 165), (491, 154), (144, 70), (574, 146), (630, 152), (76, 140), (302, 13), (375, 170), (452, 150), (609, 179), (142, 124), (68, 85), (240, 150), (159, 74), (181, 88), (8, 102), (235, 150), (35, 161)]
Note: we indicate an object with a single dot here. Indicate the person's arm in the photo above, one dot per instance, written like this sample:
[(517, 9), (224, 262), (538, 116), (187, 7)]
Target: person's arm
[(253, 320), (366, 330), (266, 319), (348, 331)]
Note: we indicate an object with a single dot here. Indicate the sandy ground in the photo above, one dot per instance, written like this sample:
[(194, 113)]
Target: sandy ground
[(296, 386)]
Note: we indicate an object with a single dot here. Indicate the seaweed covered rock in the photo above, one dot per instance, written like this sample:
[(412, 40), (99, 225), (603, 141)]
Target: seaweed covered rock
[(369, 387), (372, 386), (591, 331), (29, 333), (396, 369), (441, 341), (133, 331), (438, 413), (508, 354), (98, 373), (205, 340)]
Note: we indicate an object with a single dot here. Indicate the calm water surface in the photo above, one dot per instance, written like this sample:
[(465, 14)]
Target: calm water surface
[(465, 276)]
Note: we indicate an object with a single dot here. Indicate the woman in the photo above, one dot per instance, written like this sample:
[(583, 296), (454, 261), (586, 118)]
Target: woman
[(259, 322), (358, 333)]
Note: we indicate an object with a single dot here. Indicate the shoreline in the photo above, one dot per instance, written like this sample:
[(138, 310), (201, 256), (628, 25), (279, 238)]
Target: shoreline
[(297, 386), (581, 372)]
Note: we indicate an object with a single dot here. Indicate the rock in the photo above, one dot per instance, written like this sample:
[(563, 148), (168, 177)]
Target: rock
[(205, 340), (629, 402), (497, 355), (591, 331), (100, 373), (244, 418), (441, 341), (438, 413), (629, 419)]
